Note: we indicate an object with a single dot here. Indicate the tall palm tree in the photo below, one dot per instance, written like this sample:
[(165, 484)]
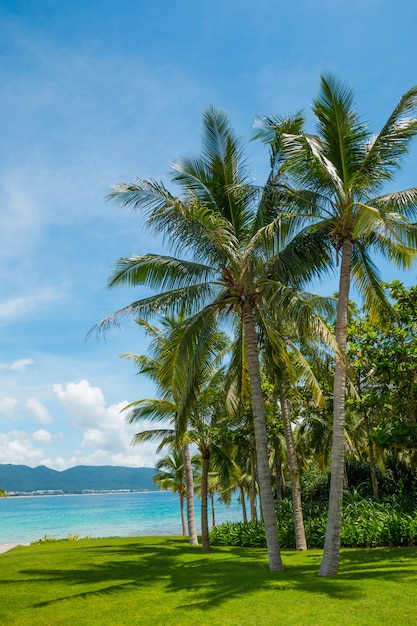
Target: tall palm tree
[(171, 477), (337, 178), (239, 264), (205, 413), (205, 424), (169, 384), (286, 367)]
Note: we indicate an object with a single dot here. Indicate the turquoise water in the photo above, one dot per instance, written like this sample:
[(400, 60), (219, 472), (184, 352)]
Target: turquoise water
[(30, 518)]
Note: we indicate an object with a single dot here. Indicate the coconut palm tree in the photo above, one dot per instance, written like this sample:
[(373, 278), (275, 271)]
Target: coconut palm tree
[(171, 477), (205, 425), (337, 177), (239, 263), (166, 406), (205, 413)]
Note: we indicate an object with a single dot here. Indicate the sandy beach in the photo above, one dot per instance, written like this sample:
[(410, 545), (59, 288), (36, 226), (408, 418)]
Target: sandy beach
[(5, 547)]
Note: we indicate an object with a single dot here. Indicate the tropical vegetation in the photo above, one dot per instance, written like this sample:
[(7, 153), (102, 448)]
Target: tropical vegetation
[(280, 383), (366, 524), (337, 179)]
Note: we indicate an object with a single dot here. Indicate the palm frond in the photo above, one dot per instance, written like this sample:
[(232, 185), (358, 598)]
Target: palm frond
[(386, 151), (271, 130), (171, 302), (339, 125), (403, 202), (367, 279), (166, 437), (153, 409), (308, 255), (158, 272), (146, 196), (145, 364), (218, 178)]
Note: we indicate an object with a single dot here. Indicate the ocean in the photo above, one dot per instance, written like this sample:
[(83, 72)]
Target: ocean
[(29, 518)]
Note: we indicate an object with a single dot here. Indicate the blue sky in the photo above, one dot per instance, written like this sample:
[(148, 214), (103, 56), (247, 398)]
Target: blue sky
[(97, 92)]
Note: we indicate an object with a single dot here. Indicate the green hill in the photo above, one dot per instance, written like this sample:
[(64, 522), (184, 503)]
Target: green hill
[(24, 479)]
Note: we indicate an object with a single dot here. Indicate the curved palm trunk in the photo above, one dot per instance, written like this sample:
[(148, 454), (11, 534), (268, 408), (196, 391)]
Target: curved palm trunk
[(330, 560), (189, 482), (300, 537), (184, 527), (261, 441), (205, 543)]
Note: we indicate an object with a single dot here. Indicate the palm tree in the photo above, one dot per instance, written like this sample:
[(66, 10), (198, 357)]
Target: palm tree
[(242, 476), (205, 424), (165, 407), (242, 264), (336, 178), (171, 477), (201, 420)]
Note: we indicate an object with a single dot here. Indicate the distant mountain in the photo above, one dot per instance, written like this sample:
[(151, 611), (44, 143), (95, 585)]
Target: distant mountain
[(24, 479)]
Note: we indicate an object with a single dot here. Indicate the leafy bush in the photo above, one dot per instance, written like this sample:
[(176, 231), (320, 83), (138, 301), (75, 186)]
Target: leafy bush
[(365, 523), (251, 534), (315, 484)]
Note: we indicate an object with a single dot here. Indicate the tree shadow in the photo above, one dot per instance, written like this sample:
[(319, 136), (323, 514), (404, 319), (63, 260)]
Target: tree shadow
[(209, 579)]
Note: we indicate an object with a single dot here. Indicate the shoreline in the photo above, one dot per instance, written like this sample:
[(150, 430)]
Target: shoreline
[(84, 493), (5, 547)]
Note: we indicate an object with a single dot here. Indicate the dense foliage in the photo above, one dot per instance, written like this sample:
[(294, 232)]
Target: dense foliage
[(365, 523)]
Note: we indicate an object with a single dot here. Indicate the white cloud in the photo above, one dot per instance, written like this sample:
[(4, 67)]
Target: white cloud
[(39, 410), (84, 402), (21, 306), (42, 436), (16, 448), (21, 364), (98, 435), (93, 439), (106, 436), (7, 406)]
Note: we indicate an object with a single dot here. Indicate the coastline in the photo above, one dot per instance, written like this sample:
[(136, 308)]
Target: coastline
[(5, 547), (28, 519), (31, 494)]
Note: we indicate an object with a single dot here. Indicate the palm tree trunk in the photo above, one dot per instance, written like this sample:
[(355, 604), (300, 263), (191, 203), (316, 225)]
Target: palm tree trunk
[(372, 464), (252, 487), (205, 543), (243, 504), (261, 441), (213, 512), (189, 482), (278, 475), (330, 561), (184, 527), (300, 537)]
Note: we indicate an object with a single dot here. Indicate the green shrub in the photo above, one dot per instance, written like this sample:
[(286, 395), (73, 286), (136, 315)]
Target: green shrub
[(366, 523), (251, 534)]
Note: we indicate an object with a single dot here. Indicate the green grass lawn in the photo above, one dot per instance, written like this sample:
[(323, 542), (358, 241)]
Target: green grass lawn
[(163, 581)]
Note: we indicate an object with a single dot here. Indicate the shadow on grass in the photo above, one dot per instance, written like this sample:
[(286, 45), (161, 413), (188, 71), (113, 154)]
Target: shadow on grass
[(202, 580)]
